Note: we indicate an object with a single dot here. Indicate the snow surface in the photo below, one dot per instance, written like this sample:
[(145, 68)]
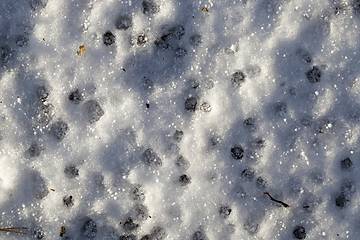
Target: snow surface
[(177, 117)]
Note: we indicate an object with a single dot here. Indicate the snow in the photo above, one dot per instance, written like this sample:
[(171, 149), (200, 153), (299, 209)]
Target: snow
[(170, 119)]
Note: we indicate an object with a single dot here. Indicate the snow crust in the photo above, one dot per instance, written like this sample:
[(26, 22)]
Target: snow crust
[(177, 117)]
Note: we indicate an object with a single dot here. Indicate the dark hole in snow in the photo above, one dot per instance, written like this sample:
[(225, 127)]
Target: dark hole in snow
[(190, 104), (314, 75), (237, 152), (123, 22), (184, 180), (225, 211), (299, 232), (108, 38), (238, 78)]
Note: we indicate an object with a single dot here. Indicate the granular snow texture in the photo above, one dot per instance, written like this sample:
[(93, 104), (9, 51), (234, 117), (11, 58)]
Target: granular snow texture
[(153, 119)]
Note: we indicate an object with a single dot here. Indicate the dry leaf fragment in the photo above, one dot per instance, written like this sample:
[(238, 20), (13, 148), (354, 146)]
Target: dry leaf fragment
[(82, 49), (205, 10), (63, 231)]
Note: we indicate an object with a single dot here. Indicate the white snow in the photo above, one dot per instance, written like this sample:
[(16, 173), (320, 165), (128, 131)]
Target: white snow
[(265, 92)]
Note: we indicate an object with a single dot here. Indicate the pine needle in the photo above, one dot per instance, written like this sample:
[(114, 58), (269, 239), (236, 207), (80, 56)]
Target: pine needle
[(12, 229), (272, 199)]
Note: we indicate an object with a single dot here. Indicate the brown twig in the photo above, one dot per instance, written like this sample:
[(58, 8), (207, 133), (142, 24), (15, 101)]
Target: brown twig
[(273, 199), (11, 230), (163, 37)]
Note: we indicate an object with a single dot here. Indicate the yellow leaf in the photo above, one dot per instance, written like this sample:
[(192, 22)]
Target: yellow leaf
[(82, 49), (62, 231)]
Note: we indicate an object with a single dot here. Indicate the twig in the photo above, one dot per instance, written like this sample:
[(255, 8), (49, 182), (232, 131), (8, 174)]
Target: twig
[(273, 199), (11, 229), (163, 37)]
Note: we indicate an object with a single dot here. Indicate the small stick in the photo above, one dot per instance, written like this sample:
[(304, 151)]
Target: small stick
[(11, 229), (273, 199), (166, 36)]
